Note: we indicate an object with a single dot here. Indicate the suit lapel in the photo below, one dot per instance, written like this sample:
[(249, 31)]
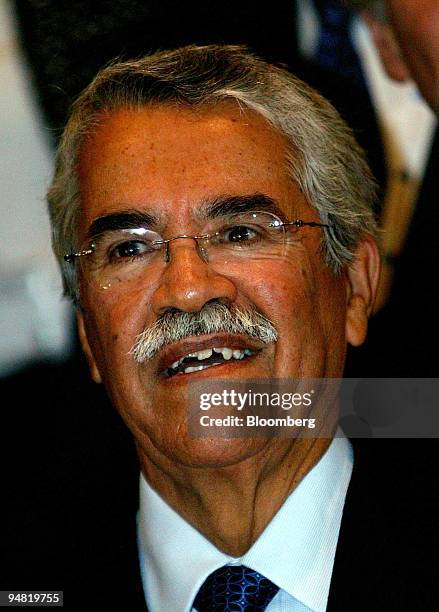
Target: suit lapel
[(388, 534)]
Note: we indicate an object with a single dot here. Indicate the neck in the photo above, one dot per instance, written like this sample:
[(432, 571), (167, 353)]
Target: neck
[(231, 505)]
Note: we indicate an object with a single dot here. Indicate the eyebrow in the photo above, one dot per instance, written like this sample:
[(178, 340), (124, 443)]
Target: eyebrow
[(230, 205), (211, 209), (129, 219)]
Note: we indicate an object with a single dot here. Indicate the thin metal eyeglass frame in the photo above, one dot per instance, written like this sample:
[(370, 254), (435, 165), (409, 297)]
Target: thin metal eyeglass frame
[(298, 223)]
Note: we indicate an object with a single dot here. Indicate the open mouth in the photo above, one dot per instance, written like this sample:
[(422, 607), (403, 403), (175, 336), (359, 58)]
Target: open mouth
[(206, 358)]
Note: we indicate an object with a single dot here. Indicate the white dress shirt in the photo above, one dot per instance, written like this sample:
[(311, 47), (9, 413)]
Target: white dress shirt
[(296, 550)]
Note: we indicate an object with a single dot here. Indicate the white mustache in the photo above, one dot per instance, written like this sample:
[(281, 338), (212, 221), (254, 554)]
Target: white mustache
[(213, 318)]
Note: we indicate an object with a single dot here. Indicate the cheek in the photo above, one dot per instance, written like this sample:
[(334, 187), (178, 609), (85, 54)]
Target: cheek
[(288, 292), (113, 326), (305, 302), (113, 322)]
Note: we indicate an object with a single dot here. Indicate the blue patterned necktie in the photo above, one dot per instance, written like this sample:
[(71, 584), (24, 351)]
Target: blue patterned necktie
[(335, 50), (235, 588)]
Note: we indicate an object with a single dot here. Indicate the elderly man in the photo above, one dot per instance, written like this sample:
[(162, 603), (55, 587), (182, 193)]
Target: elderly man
[(406, 35), (212, 215)]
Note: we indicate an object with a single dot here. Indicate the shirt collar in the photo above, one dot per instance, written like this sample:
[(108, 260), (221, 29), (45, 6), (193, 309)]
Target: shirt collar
[(296, 550)]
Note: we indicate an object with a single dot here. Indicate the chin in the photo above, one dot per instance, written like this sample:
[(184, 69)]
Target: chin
[(215, 452)]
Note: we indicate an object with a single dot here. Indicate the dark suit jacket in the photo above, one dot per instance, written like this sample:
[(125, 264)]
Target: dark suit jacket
[(71, 496)]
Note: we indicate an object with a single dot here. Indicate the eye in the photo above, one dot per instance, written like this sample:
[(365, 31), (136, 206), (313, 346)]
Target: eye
[(240, 234), (130, 249)]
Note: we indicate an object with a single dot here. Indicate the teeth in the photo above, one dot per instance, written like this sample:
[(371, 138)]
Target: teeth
[(194, 368), (226, 352), (235, 353)]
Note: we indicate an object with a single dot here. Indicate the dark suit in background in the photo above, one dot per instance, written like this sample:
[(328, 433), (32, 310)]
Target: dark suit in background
[(404, 337), (67, 43)]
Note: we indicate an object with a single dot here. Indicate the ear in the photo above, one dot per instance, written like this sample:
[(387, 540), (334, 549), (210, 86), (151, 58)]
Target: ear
[(94, 371), (387, 47), (362, 276)]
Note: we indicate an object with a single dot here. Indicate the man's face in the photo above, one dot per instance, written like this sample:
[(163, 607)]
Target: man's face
[(169, 162)]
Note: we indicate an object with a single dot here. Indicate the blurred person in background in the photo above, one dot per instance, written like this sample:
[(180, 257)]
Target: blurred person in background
[(406, 36)]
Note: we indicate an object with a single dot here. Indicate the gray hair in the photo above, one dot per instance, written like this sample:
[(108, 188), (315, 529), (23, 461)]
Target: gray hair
[(213, 318), (322, 154)]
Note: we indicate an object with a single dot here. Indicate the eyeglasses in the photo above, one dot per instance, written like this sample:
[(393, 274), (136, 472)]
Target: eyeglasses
[(120, 255)]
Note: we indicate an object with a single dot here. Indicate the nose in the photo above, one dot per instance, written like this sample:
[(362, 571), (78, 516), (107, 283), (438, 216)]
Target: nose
[(188, 282)]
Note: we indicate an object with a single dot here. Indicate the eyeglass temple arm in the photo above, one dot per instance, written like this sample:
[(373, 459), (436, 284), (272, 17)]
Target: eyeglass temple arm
[(70, 257), (300, 223)]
